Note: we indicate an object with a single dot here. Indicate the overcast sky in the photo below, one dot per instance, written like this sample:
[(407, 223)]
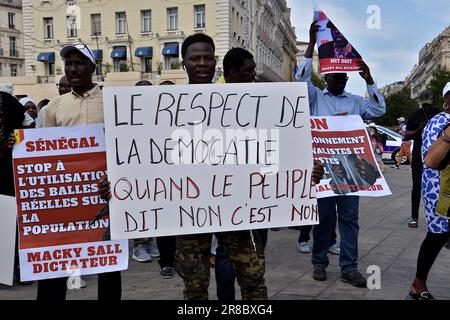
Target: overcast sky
[(392, 50)]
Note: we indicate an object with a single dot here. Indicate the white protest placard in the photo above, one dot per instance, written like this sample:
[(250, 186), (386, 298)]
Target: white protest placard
[(343, 146), (208, 158), (56, 171), (7, 238)]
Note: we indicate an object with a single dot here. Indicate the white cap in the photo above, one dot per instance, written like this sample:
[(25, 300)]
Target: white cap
[(446, 89), (80, 47), (372, 125), (401, 119)]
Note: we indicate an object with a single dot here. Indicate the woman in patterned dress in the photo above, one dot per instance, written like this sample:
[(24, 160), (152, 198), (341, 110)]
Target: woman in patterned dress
[(437, 226)]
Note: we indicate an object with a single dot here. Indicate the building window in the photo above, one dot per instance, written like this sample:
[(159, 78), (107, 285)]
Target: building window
[(11, 18), (120, 63), (172, 18), (50, 68), (148, 65), (71, 26), (12, 47), (96, 25), (48, 28), (1, 70), (98, 68), (13, 70), (120, 22), (200, 16), (146, 18)]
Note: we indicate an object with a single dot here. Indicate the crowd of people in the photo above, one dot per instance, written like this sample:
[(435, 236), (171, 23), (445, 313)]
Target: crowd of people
[(240, 254)]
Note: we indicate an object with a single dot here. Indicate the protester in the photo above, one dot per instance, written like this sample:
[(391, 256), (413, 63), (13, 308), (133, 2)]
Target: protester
[(416, 122), (84, 105), (435, 151), (405, 148), (333, 101), (63, 86), (41, 107), (304, 237), (166, 245), (28, 121), (144, 249), (12, 114), (239, 67), (30, 106), (377, 146), (193, 251), (11, 118)]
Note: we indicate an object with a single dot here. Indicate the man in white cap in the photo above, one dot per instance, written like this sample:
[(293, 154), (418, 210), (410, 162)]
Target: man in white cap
[(405, 148), (84, 105), (72, 109)]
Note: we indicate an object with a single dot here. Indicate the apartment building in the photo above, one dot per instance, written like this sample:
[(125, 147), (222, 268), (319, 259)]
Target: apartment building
[(433, 55), (11, 39), (134, 40)]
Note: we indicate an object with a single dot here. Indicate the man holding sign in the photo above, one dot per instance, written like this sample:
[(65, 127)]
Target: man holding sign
[(82, 106), (335, 101), (193, 250)]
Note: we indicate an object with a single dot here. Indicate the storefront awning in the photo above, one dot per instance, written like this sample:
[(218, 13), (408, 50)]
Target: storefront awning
[(144, 52), (98, 55), (171, 49), (46, 57), (119, 53)]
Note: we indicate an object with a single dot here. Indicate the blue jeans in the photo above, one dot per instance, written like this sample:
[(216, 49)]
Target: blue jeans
[(225, 276), (347, 211)]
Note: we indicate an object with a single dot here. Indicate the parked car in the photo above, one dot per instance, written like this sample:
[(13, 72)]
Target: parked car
[(391, 142)]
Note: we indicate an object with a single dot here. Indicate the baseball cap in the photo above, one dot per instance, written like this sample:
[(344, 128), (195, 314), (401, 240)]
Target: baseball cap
[(446, 89), (80, 47), (401, 119), (427, 96)]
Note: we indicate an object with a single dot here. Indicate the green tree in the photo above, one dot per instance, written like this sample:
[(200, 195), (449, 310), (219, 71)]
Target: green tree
[(440, 79), (398, 105)]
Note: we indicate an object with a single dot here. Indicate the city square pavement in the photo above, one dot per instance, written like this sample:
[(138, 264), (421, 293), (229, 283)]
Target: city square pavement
[(384, 241)]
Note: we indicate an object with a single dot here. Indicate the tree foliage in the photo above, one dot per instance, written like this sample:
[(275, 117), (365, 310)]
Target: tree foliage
[(398, 105), (440, 79)]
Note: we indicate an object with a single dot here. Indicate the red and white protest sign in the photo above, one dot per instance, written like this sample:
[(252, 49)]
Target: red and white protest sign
[(343, 146), (336, 53), (56, 172)]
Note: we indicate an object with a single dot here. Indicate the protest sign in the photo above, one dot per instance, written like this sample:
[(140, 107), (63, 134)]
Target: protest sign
[(56, 172), (7, 238), (336, 53), (343, 146), (208, 158)]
